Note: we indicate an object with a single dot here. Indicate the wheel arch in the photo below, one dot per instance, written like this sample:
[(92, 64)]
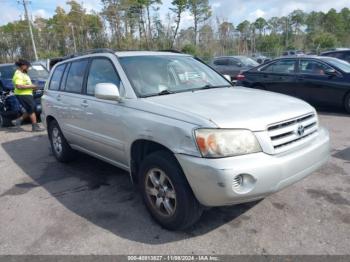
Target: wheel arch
[(139, 150)]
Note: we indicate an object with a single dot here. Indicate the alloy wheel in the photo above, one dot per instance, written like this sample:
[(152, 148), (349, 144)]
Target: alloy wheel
[(160, 192), (57, 140)]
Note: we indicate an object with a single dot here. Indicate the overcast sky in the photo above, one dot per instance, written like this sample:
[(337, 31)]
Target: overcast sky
[(231, 10)]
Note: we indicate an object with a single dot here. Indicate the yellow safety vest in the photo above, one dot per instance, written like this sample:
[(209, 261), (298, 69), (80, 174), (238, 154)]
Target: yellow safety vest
[(20, 78)]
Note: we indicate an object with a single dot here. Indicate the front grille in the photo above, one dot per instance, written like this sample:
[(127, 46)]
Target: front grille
[(286, 134)]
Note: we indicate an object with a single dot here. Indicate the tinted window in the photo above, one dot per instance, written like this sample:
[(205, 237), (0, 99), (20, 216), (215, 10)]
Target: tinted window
[(341, 64), (56, 77), (281, 66), (75, 77), (222, 62), (313, 67), (101, 71)]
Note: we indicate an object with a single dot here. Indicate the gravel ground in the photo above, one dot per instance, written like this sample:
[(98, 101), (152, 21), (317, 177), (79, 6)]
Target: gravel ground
[(89, 207)]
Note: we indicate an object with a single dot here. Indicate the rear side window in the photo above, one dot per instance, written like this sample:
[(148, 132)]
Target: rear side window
[(56, 77), (76, 75), (101, 71), (281, 66)]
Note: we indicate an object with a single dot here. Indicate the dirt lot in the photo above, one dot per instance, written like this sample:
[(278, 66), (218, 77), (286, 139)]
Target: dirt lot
[(89, 207)]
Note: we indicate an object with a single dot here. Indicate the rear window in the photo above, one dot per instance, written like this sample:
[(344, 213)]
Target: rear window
[(75, 77), (56, 77), (222, 61)]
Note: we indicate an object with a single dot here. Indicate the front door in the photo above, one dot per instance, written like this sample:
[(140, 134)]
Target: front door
[(103, 120), (315, 86)]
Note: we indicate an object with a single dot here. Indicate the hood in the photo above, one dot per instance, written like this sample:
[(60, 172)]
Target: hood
[(236, 107)]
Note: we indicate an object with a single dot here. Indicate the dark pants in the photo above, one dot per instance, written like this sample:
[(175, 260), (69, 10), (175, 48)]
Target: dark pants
[(28, 102)]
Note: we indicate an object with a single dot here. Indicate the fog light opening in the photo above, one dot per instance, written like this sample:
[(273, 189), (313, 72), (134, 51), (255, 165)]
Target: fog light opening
[(243, 183), (237, 182)]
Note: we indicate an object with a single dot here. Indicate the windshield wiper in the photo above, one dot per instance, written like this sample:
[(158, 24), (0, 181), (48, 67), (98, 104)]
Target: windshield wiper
[(165, 92), (162, 93), (211, 87)]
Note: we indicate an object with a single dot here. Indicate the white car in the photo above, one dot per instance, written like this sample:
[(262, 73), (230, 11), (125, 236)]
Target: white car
[(187, 137)]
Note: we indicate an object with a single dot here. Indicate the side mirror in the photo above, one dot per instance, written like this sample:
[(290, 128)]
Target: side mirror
[(331, 72), (239, 64), (107, 91)]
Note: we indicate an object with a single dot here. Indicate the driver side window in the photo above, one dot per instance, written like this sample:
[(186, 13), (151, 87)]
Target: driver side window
[(101, 71), (312, 67)]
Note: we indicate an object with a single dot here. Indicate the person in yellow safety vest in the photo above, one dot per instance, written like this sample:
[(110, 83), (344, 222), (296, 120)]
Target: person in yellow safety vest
[(24, 92)]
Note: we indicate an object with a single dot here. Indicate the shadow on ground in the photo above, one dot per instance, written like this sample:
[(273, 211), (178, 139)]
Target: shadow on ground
[(103, 194)]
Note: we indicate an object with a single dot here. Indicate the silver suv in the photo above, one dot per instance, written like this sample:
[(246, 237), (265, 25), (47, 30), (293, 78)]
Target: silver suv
[(187, 137)]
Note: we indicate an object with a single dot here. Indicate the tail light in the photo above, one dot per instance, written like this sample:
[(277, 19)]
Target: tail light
[(240, 77)]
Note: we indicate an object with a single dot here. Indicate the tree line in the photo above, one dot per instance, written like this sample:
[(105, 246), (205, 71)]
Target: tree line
[(136, 25)]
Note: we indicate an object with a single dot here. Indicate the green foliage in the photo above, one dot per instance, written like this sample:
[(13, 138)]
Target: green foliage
[(136, 24), (190, 49)]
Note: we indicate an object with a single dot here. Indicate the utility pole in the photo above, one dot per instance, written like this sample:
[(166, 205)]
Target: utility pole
[(75, 44), (24, 3)]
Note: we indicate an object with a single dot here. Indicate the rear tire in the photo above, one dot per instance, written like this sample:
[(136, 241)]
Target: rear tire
[(59, 145), (347, 103), (167, 193)]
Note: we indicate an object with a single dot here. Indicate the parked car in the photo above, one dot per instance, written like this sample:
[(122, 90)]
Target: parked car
[(233, 65), (293, 53), (188, 138), (38, 74), (343, 54), (322, 81)]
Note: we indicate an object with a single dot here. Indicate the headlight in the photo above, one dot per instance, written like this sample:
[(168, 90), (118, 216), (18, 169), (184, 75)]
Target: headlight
[(217, 143)]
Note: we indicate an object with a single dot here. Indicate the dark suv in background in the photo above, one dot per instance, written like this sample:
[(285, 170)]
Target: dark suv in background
[(340, 54)]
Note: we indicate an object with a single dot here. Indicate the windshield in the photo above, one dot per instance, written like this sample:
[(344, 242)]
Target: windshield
[(341, 64), (38, 72), (154, 75), (248, 61)]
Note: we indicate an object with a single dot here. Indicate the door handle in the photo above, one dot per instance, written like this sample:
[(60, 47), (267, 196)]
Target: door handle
[(58, 98)]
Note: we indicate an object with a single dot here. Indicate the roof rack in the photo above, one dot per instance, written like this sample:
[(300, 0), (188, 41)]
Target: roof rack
[(91, 51), (171, 51)]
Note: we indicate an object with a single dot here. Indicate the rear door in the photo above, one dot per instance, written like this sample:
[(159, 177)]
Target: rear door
[(72, 101), (315, 86), (279, 76)]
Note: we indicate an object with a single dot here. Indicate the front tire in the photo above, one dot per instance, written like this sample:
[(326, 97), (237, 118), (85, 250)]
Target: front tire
[(59, 145), (167, 193), (347, 103)]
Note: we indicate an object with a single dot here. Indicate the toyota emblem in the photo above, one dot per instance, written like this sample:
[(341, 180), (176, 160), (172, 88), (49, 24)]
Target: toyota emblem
[(301, 130)]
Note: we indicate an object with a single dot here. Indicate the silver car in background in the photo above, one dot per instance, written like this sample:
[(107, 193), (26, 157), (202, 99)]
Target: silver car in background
[(187, 137)]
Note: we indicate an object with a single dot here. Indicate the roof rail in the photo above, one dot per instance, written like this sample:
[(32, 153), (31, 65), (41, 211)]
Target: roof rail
[(91, 51), (171, 51)]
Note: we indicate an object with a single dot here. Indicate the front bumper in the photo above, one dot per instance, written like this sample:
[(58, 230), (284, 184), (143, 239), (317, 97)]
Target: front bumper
[(212, 179)]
